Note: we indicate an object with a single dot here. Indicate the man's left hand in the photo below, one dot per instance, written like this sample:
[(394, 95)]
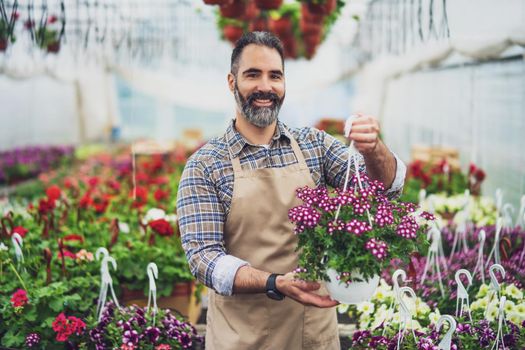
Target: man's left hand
[(365, 134)]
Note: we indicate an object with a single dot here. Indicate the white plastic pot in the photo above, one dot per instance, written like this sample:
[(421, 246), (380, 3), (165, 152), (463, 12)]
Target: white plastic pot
[(353, 293)]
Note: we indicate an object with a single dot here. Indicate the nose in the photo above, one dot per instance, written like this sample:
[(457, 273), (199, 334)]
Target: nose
[(264, 84)]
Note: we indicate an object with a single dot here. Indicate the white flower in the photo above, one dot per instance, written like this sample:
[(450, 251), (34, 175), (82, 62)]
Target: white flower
[(483, 290), (413, 324), (515, 318), (492, 311), (434, 316), (366, 307), (342, 308), (3, 247), (509, 306), (514, 292), (153, 214), (364, 320), (123, 227), (422, 307), (381, 315), (520, 308)]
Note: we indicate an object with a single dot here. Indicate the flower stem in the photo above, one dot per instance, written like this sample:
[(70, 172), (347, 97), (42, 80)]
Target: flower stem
[(17, 275)]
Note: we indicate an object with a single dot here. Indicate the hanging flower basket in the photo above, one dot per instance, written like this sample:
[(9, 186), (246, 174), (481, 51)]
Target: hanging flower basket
[(347, 237), (3, 44), (233, 10), (310, 27), (268, 4), (53, 47)]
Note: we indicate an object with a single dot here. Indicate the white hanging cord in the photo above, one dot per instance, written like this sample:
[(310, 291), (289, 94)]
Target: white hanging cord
[(433, 257), (501, 321), (494, 284), (391, 308), (405, 315), (106, 281), (495, 248)]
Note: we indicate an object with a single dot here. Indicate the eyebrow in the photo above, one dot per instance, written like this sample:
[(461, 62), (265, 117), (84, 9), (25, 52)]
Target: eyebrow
[(255, 70)]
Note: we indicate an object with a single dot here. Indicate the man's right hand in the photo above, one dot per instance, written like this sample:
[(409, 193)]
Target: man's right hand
[(303, 291)]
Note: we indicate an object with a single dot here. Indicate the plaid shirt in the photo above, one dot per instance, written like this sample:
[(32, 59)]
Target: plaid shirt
[(206, 188)]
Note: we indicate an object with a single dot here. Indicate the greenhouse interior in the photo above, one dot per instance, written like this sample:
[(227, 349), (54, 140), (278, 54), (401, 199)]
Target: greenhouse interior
[(262, 174)]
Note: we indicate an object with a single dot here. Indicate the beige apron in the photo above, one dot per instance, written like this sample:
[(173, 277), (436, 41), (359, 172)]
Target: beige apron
[(258, 230)]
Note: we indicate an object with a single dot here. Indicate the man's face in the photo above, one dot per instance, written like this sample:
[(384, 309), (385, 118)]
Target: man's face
[(259, 86)]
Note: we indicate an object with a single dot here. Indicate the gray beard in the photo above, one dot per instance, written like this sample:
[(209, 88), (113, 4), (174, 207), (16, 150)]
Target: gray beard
[(258, 116)]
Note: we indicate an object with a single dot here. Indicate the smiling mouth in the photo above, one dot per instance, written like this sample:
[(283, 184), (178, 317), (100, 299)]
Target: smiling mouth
[(263, 102)]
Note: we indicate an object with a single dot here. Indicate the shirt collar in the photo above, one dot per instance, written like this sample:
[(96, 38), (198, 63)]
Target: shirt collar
[(237, 142)]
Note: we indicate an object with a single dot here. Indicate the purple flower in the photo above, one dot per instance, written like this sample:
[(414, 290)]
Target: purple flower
[(153, 334), (357, 227), (378, 341), (408, 227), (426, 344), (360, 336), (378, 248), (464, 328), (32, 339), (130, 337)]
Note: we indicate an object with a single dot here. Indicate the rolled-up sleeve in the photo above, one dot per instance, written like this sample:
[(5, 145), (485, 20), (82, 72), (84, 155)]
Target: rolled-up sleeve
[(396, 188), (201, 223)]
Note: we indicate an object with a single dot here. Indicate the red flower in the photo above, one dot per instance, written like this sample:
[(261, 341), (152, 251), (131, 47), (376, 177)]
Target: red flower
[(52, 19), (101, 204), (67, 254), (67, 326), (142, 196), (472, 168), (53, 192), (74, 238), (21, 231), (19, 298), (46, 206), (160, 180), (93, 181), (161, 195), (114, 185), (85, 201), (479, 175), (142, 178), (162, 227)]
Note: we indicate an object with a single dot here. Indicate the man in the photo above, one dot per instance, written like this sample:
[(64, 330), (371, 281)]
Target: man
[(233, 203)]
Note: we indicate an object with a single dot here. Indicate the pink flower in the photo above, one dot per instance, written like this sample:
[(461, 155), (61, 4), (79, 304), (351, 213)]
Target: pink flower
[(66, 326), (379, 249), (163, 347), (19, 298)]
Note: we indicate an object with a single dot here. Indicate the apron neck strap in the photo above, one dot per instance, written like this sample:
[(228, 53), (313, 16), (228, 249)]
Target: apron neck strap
[(236, 163)]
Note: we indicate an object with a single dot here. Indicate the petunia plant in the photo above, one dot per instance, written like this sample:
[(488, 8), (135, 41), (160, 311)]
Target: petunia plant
[(358, 230)]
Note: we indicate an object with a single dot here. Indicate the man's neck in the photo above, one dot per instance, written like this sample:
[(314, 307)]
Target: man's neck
[(254, 134)]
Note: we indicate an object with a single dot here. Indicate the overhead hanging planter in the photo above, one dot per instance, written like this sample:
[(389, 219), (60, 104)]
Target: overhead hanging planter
[(301, 25), (7, 24)]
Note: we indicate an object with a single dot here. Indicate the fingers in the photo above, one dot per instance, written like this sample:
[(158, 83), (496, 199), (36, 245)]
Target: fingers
[(312, 299)]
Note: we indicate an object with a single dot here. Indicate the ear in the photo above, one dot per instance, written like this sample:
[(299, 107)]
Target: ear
[(231, 82)]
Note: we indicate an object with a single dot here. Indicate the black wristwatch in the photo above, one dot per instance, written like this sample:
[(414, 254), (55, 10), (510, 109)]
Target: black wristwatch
[(271, 288)]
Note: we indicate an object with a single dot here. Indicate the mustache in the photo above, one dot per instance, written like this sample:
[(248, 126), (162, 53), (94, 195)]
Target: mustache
[(260, 95)]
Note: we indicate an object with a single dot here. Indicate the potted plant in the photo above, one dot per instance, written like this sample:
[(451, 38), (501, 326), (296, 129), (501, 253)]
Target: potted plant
[(49, 35), (6, 29), (135, 327), (252, 11), (353, 244), (259, 24)]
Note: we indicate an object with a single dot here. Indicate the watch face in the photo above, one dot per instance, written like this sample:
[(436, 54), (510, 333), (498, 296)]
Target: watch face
[(274, 295)]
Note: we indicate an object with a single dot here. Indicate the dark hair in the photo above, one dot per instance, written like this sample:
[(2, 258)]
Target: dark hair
[(258, 38)]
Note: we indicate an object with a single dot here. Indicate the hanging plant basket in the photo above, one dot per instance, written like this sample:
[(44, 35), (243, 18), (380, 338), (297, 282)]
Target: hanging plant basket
[(234, 10), (4, 43), (290, 48), (53, 47), (268, 4), (218, 2)]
